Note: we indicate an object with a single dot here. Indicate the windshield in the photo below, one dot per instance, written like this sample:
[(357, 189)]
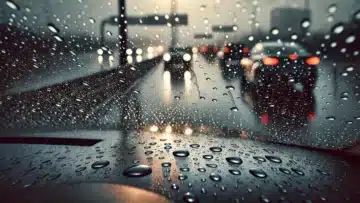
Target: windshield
[(101, 65)]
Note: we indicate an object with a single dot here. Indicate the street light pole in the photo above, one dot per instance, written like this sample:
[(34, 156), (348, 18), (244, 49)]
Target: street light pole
[(122, 32), (173, 26)]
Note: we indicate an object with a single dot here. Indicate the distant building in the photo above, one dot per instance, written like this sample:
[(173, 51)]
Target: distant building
[(289, 20)]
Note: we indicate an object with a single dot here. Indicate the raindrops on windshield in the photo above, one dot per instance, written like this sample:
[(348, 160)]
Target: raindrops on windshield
[(137, 171)]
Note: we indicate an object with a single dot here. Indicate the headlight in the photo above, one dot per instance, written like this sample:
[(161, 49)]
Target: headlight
[(187, 57), (166, 57)]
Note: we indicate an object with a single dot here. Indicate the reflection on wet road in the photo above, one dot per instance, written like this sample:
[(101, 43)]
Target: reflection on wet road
[(206, 95)]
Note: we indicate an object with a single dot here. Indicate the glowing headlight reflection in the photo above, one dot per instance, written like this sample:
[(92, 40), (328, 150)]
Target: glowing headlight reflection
[(188, 131), (100, 59), (129, 59), (139, 58), (154, 128), (187, 57), (166, 57), (100, 52), (129, 51), (139, 51), (168, 129)]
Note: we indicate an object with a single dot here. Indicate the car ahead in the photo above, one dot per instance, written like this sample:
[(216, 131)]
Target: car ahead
[(177, 60), (284, 107), (233, 53), (280, 63)]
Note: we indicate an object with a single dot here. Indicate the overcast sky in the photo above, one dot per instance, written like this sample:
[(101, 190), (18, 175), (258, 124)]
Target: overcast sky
[(72, 16)]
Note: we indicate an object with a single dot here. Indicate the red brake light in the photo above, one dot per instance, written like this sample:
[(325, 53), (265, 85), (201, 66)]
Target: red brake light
[(270, 61), (203, 49), (246, 50), (314, 60), (293, 57), (265, 119), (311, 116), (215, 49), (226, 49)]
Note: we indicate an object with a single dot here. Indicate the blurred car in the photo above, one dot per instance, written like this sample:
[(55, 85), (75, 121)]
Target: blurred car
[(177, 60), (209, 50), (284, 107), (273, 63), (233, 53)]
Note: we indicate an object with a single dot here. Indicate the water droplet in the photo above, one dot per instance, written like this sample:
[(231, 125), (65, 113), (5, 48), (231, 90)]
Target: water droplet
[(208, 156), (203, 191), (190, 198), (234, 160), (52, 28), (230, 87), (275, 31), (332, 8), (234, 108), (202, 98), (206, 21), (350, 39), (177, 97), (344, 97), (258, 173), (194, 145), (201, 170), (298, 171), (100, 164), (215, 149), (148, 152), (234, 171), (108, 33), (322, 172), (235, 28), (357, 15), (174, 186), (58, 38), (338, 28), (83, 168), (202, 7), (182, 177), (168, 147), (211, 165), (330, 118), (264, 199), (166, 164), (12, 5), (215, 177), (181, 153), (92, 20), (137, 171), (259, 158), (214, 100), (274, 159), (305, 23), (185, 169), (284, 170), (350, 68)]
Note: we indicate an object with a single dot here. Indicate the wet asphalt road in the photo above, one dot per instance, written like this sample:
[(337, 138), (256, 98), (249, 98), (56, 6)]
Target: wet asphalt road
[(203, 96)]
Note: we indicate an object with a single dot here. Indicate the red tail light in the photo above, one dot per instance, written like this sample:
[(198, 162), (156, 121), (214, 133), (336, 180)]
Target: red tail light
[(226, 49), (246, 50), (215, 49), (270, 61), (265, 119), (311, 116), (314, 60), (203, 49), (293, 57)]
